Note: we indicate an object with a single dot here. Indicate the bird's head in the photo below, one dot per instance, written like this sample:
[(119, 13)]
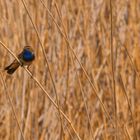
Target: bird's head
[(28, 48)]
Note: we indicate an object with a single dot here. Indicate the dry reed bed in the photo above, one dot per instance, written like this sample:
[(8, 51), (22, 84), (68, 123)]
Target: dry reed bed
[(87, 26)]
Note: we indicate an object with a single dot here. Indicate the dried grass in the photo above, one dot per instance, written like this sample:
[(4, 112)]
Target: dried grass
[(93, 92)]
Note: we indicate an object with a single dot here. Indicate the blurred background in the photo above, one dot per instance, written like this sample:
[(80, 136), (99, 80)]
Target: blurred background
[(87, 25)]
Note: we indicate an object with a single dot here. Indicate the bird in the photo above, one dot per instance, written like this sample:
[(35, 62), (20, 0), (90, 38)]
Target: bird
[(26, 58)]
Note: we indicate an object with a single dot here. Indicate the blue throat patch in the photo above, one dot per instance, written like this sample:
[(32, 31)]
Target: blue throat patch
[(27, 55)]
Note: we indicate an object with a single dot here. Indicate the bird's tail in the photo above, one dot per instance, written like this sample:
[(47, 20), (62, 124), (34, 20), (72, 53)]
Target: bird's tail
[(12, 67)]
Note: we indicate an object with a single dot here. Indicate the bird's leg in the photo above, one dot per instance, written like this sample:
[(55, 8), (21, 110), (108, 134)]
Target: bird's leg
[(21, 64), (28, 66), (30, 71)]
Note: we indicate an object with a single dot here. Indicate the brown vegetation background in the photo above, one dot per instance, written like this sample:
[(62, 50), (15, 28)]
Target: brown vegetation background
[(87, 25)]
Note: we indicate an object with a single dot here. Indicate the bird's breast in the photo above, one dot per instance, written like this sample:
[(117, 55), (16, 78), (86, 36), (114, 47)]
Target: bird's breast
[(28, 56)]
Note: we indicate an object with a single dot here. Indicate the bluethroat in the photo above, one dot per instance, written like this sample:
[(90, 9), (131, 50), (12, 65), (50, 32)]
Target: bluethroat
[(25, 57)]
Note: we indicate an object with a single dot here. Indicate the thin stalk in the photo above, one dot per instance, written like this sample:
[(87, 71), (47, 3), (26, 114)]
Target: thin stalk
[(85, 72), (12, 106), (113, 70), (44, 53), (44, 91), (130, 109)]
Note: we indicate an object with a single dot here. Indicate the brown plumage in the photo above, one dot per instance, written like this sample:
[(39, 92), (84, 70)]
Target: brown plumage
[(26, 57), (12, 67)]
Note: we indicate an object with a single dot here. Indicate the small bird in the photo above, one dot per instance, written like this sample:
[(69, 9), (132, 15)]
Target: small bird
[(25, 57)]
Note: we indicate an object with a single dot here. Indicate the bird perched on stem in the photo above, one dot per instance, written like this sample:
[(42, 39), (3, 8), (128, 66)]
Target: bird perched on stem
[(25, 57)]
